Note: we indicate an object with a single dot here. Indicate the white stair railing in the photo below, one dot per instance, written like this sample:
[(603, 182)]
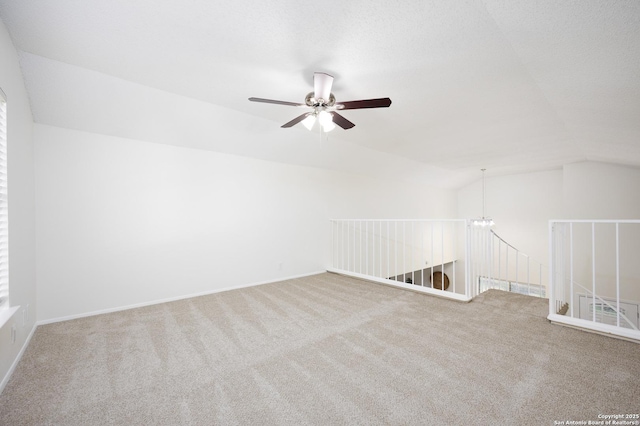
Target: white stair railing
[(604, 254), (412, 253), (418, 254), (513, 270)]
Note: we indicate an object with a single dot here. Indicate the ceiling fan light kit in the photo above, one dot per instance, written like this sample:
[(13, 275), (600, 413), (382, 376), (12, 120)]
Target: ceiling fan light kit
[(324, 106), (309, 121)]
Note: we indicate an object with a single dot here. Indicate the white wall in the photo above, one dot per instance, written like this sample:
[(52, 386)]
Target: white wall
[(601, 191), (22, 280), (123, 222)]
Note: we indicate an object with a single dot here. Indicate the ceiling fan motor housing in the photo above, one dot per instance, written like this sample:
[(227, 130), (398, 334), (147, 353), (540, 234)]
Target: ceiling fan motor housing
[(311, 101)]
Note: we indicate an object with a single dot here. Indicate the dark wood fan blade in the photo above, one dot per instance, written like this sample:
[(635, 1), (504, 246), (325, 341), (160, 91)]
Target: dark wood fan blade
[(341, 121), (296, 120), (366, 103), (271, 101)]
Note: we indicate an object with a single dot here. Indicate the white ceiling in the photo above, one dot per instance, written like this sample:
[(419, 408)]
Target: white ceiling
[(510, 86)]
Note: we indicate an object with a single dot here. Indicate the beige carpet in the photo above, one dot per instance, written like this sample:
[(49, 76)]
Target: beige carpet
[(320, 350)]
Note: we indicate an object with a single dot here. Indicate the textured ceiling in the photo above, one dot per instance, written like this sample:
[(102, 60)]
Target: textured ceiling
[(510, 86)]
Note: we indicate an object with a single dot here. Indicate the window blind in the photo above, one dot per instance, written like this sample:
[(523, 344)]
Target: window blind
[(4, 231)]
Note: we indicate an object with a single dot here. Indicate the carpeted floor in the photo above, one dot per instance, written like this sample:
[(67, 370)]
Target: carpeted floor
[(321, 350)]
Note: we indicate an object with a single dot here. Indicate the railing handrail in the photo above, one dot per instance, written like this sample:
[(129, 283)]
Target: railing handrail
[(397, 220), (519, 251), (594, 221)]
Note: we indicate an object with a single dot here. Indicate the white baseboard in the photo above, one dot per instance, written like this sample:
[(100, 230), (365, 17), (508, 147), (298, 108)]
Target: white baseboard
[(7, 376), (171, 299)]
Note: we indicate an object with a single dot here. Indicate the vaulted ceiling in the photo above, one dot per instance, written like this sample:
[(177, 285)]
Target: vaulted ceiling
[(503, 85)]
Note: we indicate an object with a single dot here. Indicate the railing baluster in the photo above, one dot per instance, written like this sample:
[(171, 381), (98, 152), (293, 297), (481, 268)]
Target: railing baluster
[(413, 260), (593, 266), (404, 251), (354, 244), (617, 275), (570, 269), (431, 281), (337, 247), (388, 253), (442, 255), (469, 260), (366, 231), (499, 260), (371, 254), (380, 258), (395, 272), (360, 246), (454, 235), (422, 254), (489, 256), (348, 238)]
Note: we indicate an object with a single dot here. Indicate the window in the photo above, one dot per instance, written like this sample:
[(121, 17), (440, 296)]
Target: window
[(4, 230)]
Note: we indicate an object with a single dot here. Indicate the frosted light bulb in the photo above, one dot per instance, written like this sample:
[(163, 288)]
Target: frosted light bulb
[(326, 121), (309, 122)]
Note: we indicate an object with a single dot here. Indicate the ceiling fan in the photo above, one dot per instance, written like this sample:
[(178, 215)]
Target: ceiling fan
[(324, 106)]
